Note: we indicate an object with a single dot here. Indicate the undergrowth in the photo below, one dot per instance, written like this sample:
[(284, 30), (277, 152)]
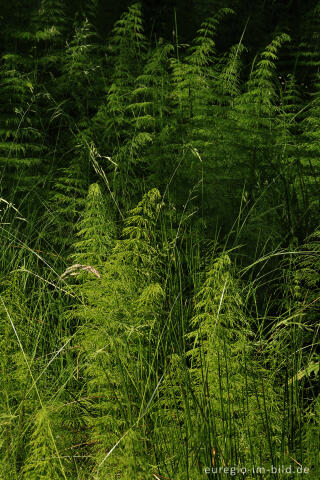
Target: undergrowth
[(160, 274)]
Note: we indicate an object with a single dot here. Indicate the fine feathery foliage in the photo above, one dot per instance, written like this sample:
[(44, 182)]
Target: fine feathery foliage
[(159, 256)]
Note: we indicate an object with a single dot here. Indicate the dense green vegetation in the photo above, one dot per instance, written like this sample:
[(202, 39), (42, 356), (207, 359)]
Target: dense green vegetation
[(160, 240)]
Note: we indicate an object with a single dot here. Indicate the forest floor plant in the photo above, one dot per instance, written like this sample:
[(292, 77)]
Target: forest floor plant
[(159, 258)]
